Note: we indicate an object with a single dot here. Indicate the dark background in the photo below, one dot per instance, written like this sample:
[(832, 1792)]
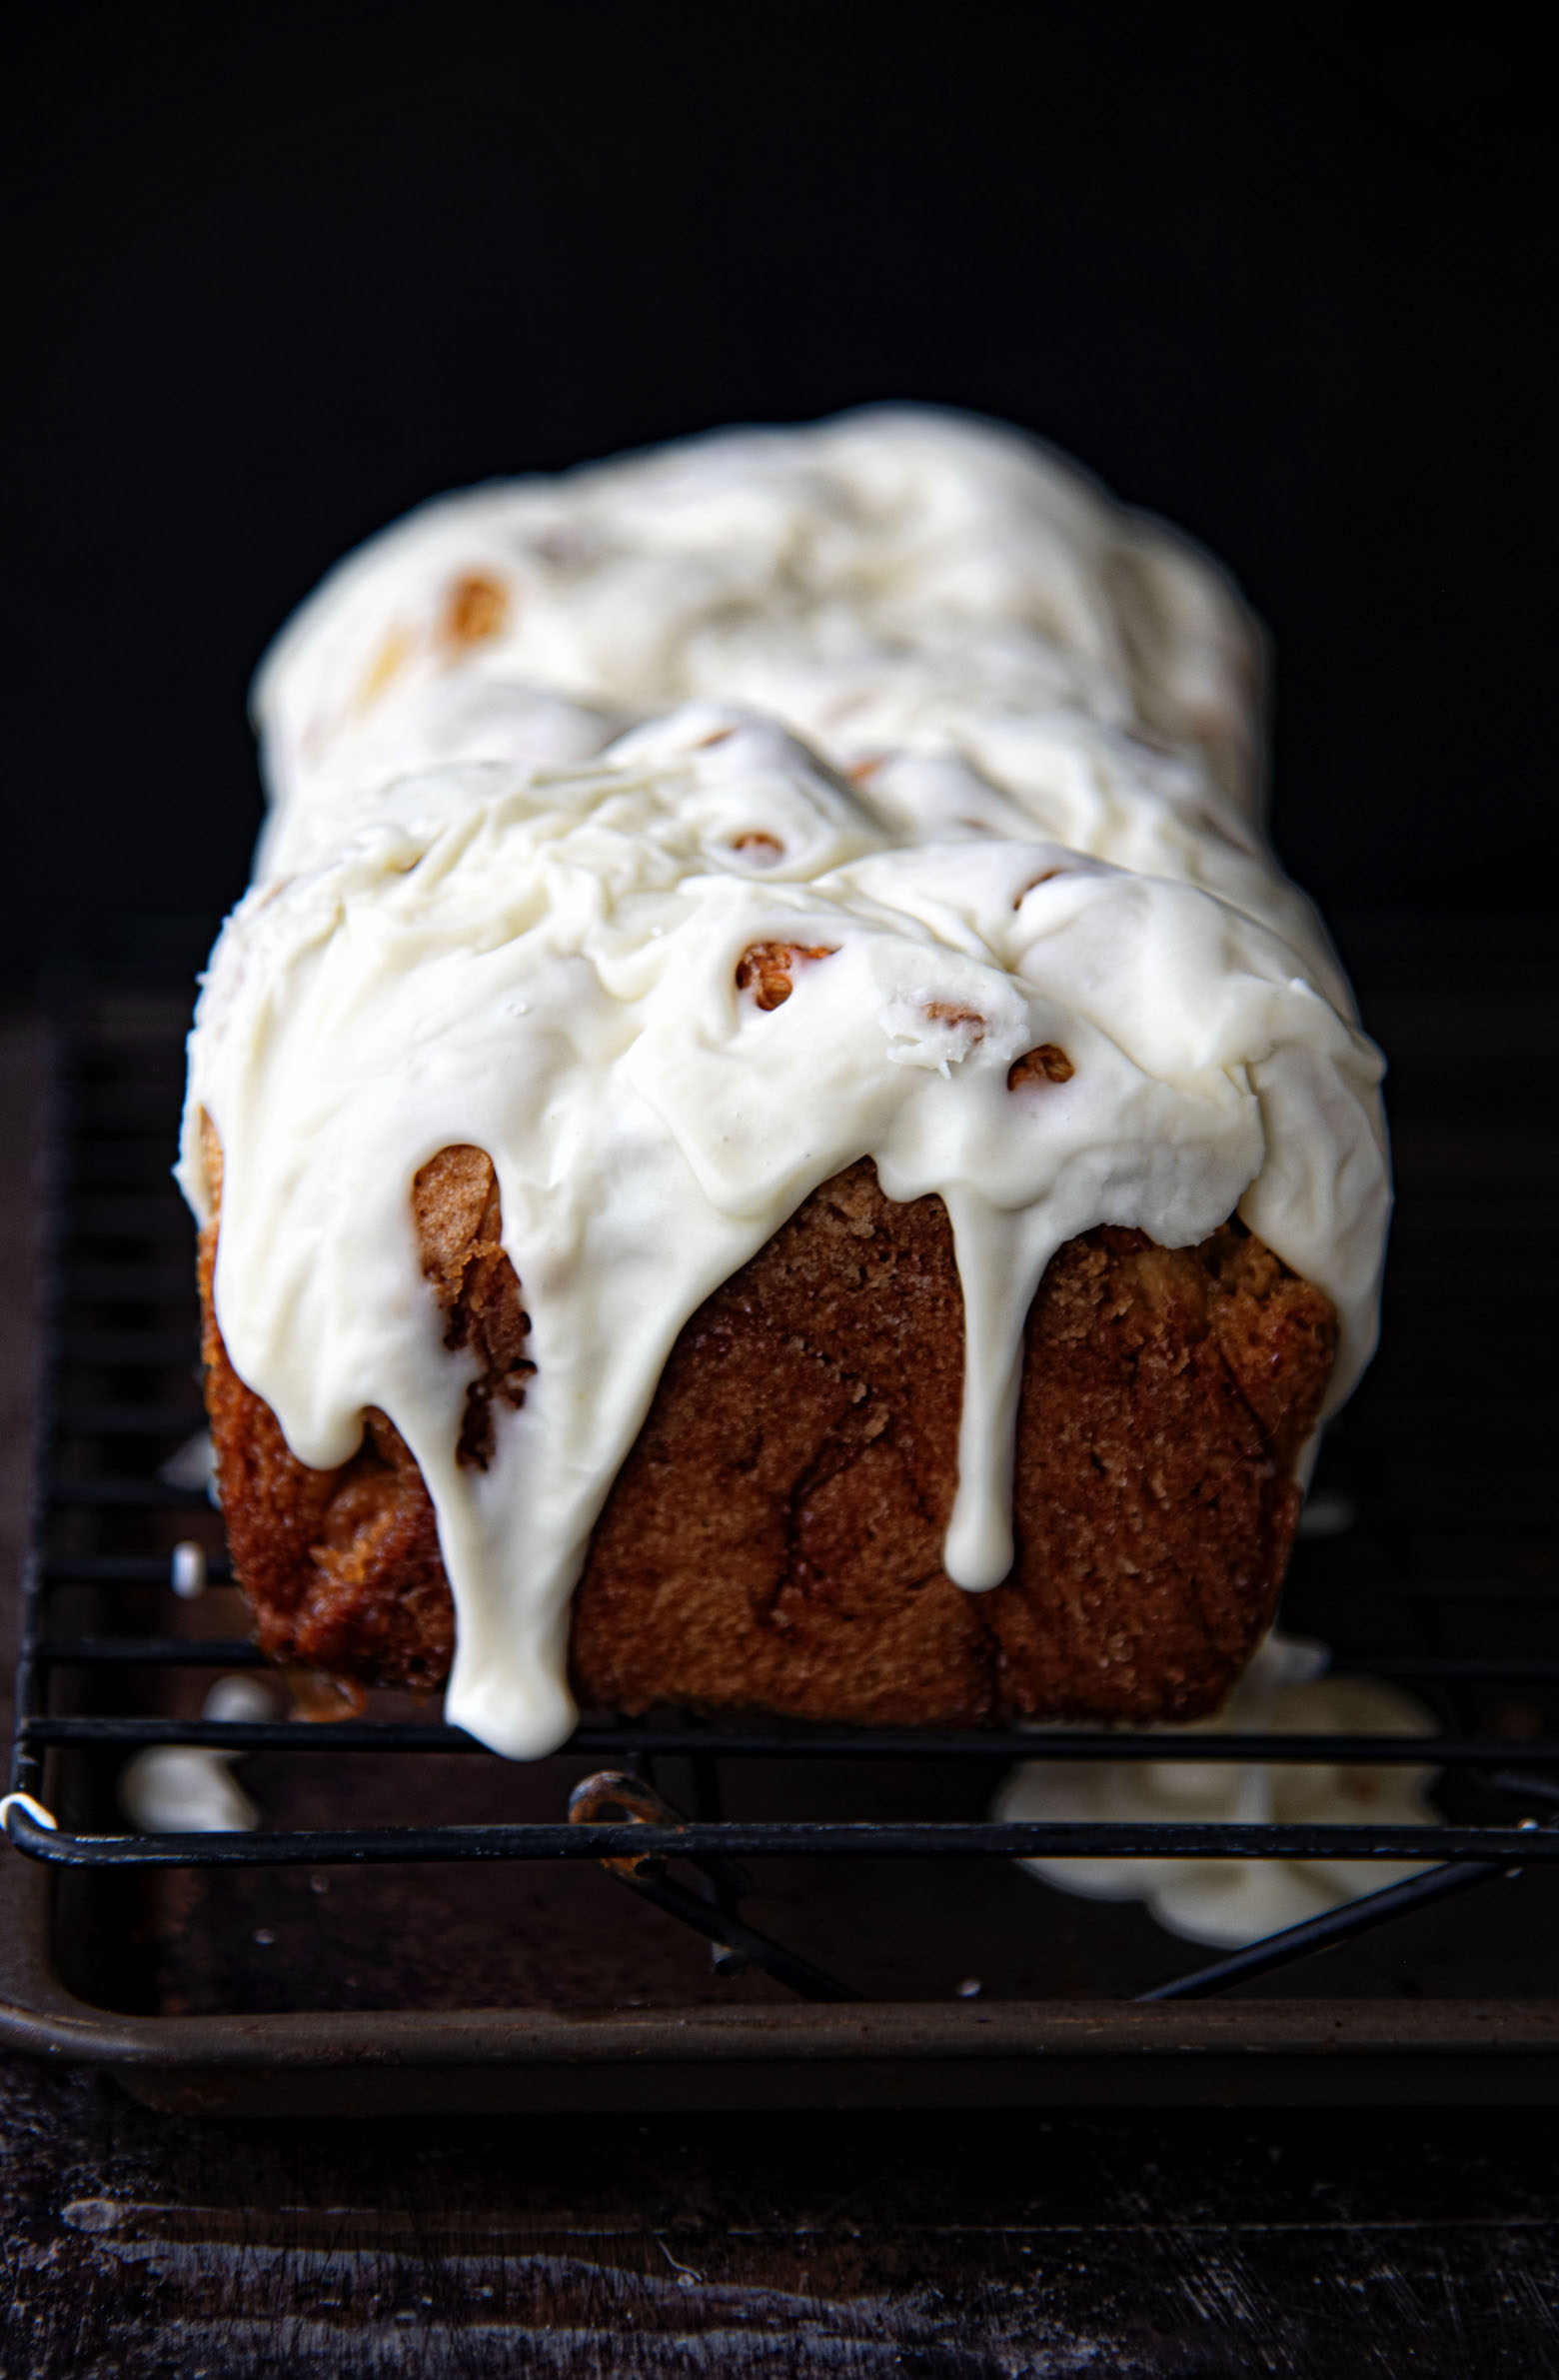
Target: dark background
[(277, 273)]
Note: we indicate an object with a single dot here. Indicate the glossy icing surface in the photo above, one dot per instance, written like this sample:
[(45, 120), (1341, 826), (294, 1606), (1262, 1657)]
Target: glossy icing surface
[(930, 599)]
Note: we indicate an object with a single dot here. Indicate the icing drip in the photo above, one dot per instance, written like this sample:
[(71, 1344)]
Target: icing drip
[(671, 991)]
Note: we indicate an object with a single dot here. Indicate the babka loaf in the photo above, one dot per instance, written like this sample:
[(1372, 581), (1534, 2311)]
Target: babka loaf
[(686, 1222)]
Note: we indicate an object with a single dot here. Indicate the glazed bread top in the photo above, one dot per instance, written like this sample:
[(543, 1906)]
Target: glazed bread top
[(671, 989), (933, 602)]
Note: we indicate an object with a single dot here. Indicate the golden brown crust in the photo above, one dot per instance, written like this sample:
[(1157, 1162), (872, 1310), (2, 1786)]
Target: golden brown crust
[(764, 967), (459, 1230), (478, 608), (1047, 1063), (775, 1535), (1141, 1592), (341, 1568)]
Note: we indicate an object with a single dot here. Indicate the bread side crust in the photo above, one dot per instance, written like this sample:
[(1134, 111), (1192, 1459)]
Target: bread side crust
[(775, 1534)]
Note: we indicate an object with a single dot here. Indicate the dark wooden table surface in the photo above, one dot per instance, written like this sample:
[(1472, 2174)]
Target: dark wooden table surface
[(1190, 2242), (960, 2247)]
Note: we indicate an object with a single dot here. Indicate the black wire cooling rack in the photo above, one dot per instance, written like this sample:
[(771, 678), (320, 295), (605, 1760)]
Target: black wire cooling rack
[(1429, 1560)]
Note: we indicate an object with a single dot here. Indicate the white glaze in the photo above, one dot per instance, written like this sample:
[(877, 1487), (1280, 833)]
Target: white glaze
[(543, 962), (921, 595), (187, 1569), (188, 1788), (1225, 1902)]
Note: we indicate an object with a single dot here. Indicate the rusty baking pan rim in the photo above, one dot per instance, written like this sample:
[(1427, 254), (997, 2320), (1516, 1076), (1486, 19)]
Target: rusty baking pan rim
[(38, 2013)]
